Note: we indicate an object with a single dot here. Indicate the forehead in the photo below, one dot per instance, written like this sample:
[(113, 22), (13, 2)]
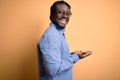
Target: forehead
[(62, 7)]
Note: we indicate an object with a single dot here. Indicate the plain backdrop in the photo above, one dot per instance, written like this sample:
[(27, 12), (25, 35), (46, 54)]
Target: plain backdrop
[(94, 25)]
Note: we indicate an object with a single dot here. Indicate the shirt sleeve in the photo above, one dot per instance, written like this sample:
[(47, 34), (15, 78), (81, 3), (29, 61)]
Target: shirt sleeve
[(75, 57), (52, 58)]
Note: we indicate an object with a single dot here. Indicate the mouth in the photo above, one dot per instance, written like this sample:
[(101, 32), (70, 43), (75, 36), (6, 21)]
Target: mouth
[(63, 21)]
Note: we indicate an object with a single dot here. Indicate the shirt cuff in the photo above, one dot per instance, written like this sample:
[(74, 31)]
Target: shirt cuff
[(75, 57)]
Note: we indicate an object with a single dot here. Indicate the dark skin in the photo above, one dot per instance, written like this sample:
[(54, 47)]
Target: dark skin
[(62, 15), (61, 18)]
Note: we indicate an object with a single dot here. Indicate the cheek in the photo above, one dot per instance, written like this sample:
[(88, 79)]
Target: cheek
[(57, 16), (56, 19)]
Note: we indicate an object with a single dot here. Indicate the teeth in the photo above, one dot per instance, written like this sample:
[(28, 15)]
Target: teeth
[(63, 21)]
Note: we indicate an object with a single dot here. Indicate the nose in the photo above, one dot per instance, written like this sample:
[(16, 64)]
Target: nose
[(64, 15)]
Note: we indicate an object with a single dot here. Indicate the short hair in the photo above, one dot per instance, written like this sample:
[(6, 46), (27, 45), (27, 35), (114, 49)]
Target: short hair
[(53, 7)]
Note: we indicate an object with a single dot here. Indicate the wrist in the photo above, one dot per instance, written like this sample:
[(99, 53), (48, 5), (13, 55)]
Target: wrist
[(76, 54), (79, 56), (72, 53)]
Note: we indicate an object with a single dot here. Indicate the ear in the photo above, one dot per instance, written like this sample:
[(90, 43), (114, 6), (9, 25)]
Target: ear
[(52, 17)]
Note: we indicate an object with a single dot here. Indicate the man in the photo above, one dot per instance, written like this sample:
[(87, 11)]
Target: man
[(55, 60)]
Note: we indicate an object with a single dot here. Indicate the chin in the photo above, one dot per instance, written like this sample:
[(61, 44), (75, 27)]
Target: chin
[(62, 25)]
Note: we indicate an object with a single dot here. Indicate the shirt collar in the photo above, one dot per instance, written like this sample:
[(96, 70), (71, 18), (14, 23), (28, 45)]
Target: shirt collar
[(61, 30)]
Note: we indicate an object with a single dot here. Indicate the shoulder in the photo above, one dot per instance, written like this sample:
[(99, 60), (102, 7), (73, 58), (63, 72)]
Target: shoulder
[(50, 35), (50, 39)]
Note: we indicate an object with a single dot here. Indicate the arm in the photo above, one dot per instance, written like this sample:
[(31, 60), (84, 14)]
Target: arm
[(52, 58)]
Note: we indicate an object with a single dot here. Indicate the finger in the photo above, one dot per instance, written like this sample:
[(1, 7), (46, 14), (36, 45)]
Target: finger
[(86, 54)]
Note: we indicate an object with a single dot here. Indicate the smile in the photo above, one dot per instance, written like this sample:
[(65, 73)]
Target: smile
[(63, 21)]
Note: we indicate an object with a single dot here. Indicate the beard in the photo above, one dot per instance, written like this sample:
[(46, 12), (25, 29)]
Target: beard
[(59, 27)]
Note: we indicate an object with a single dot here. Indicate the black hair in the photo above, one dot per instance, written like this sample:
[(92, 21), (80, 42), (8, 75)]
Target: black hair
[(53, 7)]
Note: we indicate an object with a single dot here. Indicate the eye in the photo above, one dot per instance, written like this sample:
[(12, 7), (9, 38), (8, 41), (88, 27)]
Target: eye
[(60, 12)]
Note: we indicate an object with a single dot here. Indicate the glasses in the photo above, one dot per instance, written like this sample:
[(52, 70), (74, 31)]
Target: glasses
[(61, 12)]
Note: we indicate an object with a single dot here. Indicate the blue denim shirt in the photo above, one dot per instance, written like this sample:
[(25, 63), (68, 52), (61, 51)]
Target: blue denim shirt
[(55, 59)]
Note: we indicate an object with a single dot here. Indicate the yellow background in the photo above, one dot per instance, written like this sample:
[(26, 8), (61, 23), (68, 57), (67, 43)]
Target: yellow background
[(94, 25)]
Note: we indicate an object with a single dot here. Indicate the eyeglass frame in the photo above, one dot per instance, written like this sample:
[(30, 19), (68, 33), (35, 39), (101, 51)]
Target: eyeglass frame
[(62, 12)]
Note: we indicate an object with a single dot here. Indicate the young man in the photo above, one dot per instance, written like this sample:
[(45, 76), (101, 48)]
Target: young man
[(55, 60)]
